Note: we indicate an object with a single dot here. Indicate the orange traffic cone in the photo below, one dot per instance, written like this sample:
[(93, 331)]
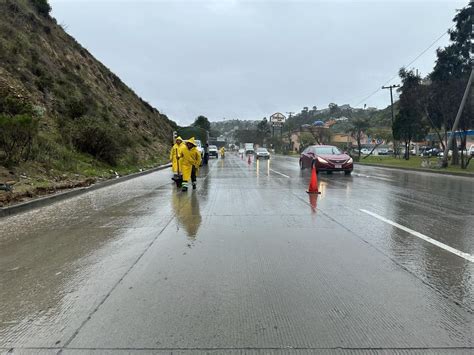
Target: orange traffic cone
[(313, 184), (249, 161)]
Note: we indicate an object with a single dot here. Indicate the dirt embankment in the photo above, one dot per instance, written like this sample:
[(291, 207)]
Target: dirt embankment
[(16, 187)]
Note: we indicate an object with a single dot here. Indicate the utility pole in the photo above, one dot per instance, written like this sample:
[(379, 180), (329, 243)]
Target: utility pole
[(456, 121), (391, 87)]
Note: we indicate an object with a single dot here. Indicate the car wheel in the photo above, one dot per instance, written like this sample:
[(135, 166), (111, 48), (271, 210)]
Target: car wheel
[(348, 172)]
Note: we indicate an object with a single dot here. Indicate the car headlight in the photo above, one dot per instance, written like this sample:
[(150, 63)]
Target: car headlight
[(349, 161), (321, 160)]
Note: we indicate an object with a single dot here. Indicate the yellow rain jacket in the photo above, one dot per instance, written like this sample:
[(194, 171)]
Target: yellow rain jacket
[(189, 158), (175, 155)]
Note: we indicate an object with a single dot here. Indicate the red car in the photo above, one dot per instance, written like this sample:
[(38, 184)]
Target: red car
[(326, 158)]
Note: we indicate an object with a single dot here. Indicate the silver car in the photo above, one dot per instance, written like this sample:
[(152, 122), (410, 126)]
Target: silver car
[(262, 153)]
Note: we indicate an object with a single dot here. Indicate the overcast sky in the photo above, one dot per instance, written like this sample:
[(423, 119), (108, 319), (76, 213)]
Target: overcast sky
[(249, 59)]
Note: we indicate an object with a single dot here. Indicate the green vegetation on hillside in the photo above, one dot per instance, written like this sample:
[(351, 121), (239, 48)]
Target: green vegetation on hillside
[(62, 112)]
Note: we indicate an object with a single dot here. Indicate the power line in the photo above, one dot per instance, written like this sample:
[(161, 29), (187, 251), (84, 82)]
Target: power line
[(407, 65)]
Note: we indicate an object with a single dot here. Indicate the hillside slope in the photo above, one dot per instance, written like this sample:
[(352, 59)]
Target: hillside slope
[(85, 120)]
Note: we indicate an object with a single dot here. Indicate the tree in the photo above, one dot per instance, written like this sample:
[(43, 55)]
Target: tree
[(276, 143), (305, 113), (333, 109), (379, 134), (409, 124), (289, 127), (357, 129), (321, 134), (305, 139), (202, 122), (263, 131), (449, 79), (246, 136)]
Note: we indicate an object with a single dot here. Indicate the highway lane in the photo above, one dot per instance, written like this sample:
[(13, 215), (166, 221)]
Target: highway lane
[(438, 206), (246, 263)]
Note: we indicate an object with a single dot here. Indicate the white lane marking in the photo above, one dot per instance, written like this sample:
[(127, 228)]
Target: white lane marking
[(463, 255), (373, 177), (277, 172)]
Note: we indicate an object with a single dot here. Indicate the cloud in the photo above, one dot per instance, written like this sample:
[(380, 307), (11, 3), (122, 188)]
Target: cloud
[(247, 59)]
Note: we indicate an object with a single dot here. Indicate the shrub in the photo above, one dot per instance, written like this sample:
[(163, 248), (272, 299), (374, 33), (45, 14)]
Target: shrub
[(93, 136), (42, 6), (44, 83), (76, 108), (14, 105), (17, 134)]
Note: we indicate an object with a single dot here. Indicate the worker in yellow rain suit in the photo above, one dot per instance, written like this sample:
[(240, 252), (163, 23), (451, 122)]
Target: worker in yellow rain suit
[(222, 150), (175, 155), (190, 163)]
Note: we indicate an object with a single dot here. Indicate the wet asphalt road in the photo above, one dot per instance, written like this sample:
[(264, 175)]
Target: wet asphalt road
[(247, 263)]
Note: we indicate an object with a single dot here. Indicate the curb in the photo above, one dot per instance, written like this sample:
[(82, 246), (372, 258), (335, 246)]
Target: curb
[(50, 199), (440, 172)]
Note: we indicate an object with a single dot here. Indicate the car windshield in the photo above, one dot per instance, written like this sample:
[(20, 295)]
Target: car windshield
[(212, 147), (327, 150), (262, 150)]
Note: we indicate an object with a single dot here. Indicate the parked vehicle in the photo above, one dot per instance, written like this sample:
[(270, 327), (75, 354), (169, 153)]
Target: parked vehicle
[(450, 154), (213, 152), (418, 151), (471, 150), (262, 153), (326, 158), (382, 151), (432, 152)]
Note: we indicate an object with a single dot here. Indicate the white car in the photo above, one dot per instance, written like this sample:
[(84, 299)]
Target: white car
[(212, 151), (450, 154), (241, 151)]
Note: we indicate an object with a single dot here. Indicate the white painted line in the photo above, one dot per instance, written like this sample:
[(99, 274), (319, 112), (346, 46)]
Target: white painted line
[(373, 177), (463, 255), (277, 172)]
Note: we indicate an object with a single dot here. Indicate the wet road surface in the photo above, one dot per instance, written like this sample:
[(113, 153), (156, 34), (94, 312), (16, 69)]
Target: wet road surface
[(247, 263)]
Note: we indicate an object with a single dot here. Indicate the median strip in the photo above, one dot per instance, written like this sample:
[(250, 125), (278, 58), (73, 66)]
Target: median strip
[(463, 255)]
